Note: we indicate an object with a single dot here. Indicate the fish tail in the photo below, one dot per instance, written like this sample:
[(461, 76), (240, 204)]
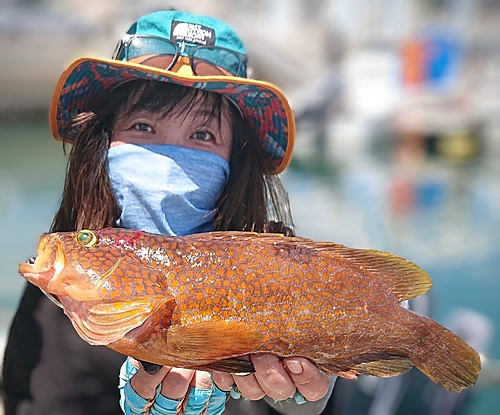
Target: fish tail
[(444, 357)]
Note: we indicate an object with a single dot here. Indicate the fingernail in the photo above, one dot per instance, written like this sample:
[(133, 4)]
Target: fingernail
[(294, 367)]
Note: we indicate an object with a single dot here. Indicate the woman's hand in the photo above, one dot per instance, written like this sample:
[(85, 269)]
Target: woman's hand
[(278, 378), (189, 389)]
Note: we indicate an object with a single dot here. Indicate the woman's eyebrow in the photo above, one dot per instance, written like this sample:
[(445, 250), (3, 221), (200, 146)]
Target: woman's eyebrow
[(206, 114)]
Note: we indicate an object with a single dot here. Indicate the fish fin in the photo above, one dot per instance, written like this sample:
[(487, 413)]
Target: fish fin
[(242, 236), (234, 366), (212, 340), (405, 279), (346, 375), (106, 323), (334, 370), (444, 357), (384, 367)]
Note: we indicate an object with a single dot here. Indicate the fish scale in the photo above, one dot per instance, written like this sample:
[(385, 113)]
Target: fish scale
[(202, 301), (244, 298)]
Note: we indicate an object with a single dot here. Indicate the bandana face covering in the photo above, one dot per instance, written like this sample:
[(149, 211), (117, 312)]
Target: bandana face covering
[(166, 189)]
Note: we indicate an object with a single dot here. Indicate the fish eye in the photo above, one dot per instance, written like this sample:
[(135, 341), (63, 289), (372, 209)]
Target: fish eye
[(86, 238)]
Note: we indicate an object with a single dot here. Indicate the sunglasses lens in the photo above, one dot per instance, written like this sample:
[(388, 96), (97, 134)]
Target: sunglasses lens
[(149, 51), (156, 61), (160, 53), (208, 61)]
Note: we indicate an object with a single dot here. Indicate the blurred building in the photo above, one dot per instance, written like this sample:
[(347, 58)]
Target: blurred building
[(391, 57)]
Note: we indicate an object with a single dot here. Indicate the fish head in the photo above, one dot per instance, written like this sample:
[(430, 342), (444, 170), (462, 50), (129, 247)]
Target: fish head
[(100, 278), (88, 265)]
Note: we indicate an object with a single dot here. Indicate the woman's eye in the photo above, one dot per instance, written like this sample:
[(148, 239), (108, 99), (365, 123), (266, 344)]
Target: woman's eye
[(203, 136), (143, 127)]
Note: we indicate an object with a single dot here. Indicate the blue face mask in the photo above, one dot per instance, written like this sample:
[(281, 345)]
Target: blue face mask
[(166, 189)]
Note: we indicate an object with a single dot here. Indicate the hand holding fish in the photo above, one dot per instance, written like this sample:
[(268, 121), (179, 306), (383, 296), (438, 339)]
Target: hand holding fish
[(273, 377), (169, 391), (279, 379)]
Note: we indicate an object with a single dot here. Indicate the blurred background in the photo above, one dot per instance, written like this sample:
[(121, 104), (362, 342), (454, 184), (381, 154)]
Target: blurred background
[(398, 145)]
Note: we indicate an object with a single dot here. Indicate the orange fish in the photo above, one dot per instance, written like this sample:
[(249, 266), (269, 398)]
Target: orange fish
[(201, 301)]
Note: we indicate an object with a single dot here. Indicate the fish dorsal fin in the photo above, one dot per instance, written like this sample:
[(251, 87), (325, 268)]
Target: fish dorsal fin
[(213, 340), (406, 279), (106, 323)]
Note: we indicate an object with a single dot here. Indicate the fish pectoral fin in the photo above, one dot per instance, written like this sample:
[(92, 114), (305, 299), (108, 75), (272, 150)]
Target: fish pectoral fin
[(106, 323), (212, 340)]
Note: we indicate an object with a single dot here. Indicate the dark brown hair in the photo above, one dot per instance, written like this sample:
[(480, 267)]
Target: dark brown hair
[(253, 199)]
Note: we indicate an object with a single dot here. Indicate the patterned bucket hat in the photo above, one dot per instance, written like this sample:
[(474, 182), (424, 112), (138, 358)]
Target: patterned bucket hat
[(218, 61)]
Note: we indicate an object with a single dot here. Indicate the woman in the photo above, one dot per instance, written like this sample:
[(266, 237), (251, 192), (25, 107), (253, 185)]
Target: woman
[(168, 137)]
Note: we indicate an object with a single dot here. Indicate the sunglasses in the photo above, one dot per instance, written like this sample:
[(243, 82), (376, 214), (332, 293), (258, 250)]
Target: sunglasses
[(163, 53)]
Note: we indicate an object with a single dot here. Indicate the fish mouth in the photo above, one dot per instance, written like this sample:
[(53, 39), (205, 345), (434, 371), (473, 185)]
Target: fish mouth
[(34, 272), (40, 270), (39, 277)]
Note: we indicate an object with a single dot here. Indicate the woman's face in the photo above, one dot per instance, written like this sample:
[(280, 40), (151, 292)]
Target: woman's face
[(195, 130)]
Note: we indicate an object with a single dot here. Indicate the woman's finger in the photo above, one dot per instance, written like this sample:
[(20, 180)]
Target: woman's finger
[(201, 380), (249, 387), (273, 377), (144, 383), (224, 381), (194, 394), (310, 381), (176, 383)]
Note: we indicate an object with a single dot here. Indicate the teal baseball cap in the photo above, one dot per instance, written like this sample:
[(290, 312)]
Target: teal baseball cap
[(152, 49), (182, 26)]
